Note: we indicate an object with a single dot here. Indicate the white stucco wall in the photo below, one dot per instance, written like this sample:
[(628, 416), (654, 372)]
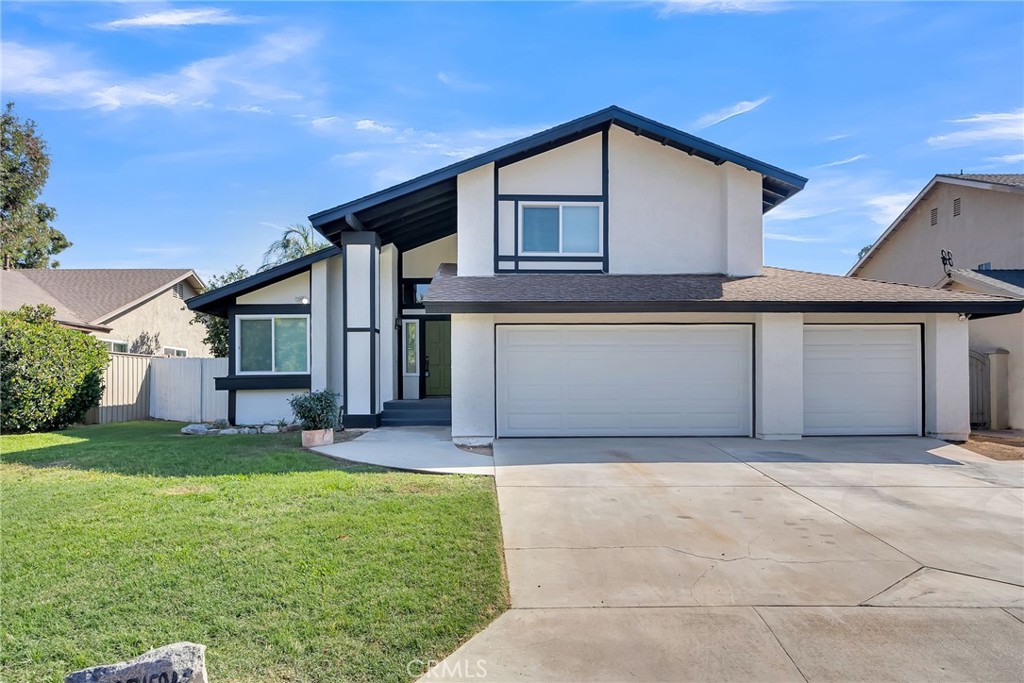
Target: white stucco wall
[(263, 406), (947, 382), (574, 168), (476, 221), (423, 261), (335, 326), (289, 291), (161, 321), (779, 376), (472, 379), (744, 239)]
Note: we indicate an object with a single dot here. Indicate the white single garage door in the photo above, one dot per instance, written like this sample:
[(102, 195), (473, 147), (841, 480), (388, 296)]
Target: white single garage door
[(862, 379), (624, 380)]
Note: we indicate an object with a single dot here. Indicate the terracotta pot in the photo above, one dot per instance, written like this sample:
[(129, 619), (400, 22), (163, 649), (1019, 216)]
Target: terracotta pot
[(317, 437)]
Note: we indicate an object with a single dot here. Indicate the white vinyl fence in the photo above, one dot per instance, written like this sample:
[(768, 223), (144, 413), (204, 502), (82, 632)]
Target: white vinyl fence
[(182, 389)]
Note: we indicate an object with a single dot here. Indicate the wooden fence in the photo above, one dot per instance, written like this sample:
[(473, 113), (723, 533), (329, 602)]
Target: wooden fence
[(180, 389)]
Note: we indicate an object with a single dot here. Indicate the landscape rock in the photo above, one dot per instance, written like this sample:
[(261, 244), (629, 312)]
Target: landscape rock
[(177, 663), (228, 432), (270, 429), (221, 424), (194, 429)]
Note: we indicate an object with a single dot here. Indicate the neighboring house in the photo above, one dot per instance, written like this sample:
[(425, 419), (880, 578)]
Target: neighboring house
[(978, 221), (603, 277), (130, 310)]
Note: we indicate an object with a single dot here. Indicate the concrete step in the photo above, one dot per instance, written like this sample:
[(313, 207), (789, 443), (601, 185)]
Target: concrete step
[(414, 421)]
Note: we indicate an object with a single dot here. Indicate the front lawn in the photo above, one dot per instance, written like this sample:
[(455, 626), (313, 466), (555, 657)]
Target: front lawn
[(288, 566)]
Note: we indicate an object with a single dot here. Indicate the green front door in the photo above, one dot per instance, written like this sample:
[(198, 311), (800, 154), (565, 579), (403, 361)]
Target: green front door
[(438, 365)]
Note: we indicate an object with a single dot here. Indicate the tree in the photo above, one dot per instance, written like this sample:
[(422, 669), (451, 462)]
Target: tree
[(295, 241), (216, 327), (27, 238), (863, 251)]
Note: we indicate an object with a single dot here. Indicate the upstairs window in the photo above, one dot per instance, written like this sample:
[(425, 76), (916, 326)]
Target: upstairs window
[(272, 344), (570, 229)]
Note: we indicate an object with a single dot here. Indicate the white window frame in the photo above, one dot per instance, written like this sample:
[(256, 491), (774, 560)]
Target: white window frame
[(127, 346), (561, 205), (273, 343), (175, 348), (406, 324)]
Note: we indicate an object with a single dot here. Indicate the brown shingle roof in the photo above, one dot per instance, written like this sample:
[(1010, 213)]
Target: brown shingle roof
[(17, 290), (777, 290), (93, 294), (1011, 179)]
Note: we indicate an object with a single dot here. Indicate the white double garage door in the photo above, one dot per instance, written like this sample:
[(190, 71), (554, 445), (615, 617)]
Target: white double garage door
[(698, 380)]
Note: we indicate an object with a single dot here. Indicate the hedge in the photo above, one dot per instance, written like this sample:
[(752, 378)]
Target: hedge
[(50, 376)]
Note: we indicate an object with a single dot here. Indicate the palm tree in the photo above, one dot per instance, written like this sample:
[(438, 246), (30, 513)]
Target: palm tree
[(295, 241)]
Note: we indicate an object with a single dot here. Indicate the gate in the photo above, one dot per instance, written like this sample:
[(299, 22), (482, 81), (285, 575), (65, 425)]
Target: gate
[(980, 409)]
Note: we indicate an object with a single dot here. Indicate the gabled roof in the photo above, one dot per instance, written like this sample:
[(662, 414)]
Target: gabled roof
[(1006, 182), (17, 290), (423, 209), (96, 295), (216, 301), (1007, 282), (776, 291)]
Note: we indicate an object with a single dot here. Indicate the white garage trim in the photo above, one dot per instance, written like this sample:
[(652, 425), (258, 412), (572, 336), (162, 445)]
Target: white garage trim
[(863, 380), (623, 380)]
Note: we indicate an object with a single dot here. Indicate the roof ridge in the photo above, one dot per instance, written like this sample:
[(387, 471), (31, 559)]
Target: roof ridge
[(881, 282)]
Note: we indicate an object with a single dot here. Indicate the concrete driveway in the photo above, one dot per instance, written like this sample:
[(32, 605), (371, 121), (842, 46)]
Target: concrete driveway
[(734, 559)]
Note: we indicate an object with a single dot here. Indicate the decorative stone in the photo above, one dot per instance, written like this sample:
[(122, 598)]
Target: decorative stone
[(194, 429), (177, 663), (221, 424), (228, 432), (212, 432), (270, 429)]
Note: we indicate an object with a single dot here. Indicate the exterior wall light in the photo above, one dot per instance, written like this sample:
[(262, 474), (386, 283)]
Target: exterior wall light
[(302, 300)]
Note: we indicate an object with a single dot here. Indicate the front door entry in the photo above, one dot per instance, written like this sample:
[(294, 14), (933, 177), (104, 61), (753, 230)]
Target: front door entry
[(437, 361)]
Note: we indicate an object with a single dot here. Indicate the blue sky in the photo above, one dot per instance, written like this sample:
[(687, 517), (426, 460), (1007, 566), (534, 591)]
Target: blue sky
[(187, 134)]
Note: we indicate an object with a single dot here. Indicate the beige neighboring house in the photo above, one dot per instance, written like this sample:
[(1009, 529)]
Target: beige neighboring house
[(978, 221), (136, 310)]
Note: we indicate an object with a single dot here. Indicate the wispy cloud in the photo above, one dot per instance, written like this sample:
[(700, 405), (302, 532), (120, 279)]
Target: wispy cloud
[(837, 136), (843, 162), (372, 126), (983, 128), (670, 7), (457, 83), (716, 117), (242, 80), (888, 206), (784, 237), (1008, 159), (177, 18)]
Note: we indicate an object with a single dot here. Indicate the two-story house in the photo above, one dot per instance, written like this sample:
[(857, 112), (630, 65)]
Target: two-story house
[(966, 232), (603, 277)]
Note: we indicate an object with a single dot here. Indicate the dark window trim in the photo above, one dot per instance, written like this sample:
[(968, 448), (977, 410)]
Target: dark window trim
[(236, 382), (410, 281)]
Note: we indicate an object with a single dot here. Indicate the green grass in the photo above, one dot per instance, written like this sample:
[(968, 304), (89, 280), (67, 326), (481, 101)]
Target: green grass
[(287, 565)]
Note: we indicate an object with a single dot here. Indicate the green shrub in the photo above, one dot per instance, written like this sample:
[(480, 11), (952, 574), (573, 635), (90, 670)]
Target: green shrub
[(316, 410), (50, 376)]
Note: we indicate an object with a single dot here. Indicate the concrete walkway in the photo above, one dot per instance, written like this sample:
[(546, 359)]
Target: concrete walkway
[(417, 449), (734, 559)]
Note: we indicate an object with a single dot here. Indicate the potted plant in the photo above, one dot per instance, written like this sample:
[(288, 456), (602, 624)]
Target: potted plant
[(318, 412)]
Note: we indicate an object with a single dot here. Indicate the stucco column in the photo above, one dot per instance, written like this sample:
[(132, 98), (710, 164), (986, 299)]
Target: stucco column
[(999, 389), (361, 274), (742, 220), (389, 311), (472, 379), (947, 378), (779, 376), (318, 345)]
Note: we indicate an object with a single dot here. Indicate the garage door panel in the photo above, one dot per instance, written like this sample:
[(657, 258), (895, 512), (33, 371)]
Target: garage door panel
[(603, 380), (862, 379)]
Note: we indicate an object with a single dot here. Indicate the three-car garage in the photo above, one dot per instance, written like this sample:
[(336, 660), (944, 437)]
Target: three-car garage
[(698, 379)]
